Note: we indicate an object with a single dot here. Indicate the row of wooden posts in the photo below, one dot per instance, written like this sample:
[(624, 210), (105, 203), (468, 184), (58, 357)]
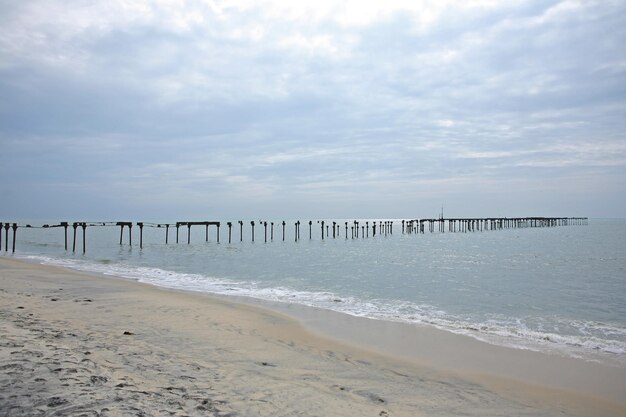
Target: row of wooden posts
[(358, 229)]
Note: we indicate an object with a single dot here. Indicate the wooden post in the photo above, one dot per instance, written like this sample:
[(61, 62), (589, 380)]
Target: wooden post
[(322, 229), (167, 232), (7, 226), (252, 224), (230, 225), (334, 223), (283, 230), (346, 230), (188, 233), (1, 236), (310, 229), (130, 234), (84, 226), (14, 232), (121, 232), (265, 227), (75, 225), (206, 232), (272, 231), (218, 232), (140, 235)]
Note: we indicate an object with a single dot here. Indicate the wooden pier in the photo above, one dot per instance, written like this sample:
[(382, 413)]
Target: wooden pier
[(356, 229)]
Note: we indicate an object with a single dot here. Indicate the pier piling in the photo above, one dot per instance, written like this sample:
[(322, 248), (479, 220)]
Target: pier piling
[(74, 225), (84, 226), (14, 227), (7, 226), (382, 227), (140, 234)]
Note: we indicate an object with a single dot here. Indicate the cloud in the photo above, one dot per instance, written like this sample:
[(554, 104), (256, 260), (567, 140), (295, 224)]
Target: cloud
[(274, 98)]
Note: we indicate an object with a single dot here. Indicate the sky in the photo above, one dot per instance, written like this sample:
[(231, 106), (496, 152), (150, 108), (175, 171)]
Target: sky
[(200, 110)]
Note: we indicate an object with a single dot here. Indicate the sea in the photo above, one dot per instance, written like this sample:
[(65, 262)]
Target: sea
[(559, 289)]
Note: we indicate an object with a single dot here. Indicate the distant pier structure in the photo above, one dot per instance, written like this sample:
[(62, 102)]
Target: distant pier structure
[(355, 229)]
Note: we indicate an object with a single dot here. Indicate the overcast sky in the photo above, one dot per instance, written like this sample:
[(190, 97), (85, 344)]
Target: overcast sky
[(181, 110)]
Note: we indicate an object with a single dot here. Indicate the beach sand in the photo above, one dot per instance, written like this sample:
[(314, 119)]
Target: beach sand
[(73, 344)]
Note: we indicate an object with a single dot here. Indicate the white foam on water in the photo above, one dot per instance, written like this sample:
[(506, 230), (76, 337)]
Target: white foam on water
[(591, 338)]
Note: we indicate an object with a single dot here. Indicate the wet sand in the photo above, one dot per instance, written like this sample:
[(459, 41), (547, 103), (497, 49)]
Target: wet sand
[(79, 345)]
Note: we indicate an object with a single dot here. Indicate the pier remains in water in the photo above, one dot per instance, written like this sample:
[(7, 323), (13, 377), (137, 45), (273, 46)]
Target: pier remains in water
[(359, 229)]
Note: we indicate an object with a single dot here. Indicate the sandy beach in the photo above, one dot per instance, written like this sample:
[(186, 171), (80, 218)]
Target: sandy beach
[(79, 345)]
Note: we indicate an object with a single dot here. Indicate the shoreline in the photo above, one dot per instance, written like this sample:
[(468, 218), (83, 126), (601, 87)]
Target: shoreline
[(268, 348), (548, 343)]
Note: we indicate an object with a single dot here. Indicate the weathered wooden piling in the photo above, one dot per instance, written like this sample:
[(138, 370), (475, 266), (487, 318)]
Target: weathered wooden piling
[(130, 228), (74, 226), (14, 227), (6, 236), (140, 224), (230, 225), (252, 224), (84, 226), (64, 226)]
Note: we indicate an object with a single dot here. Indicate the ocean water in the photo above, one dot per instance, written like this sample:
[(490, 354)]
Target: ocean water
[(559, 289)]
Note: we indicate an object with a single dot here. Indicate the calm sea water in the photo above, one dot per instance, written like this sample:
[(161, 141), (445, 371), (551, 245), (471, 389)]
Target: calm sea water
[(561, 288)]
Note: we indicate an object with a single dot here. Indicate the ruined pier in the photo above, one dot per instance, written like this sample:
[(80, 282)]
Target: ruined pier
[(353, 229)]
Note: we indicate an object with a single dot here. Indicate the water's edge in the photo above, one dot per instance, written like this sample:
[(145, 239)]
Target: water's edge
[(317, 310)]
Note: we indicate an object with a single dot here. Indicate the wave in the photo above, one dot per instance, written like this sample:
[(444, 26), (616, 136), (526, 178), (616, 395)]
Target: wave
[(583, 337)]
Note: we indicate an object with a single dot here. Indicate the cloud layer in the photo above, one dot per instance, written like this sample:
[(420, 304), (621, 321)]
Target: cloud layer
[(319, 109)]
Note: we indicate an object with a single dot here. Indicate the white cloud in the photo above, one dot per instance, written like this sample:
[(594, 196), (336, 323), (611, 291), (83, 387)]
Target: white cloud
[(269, 97)]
